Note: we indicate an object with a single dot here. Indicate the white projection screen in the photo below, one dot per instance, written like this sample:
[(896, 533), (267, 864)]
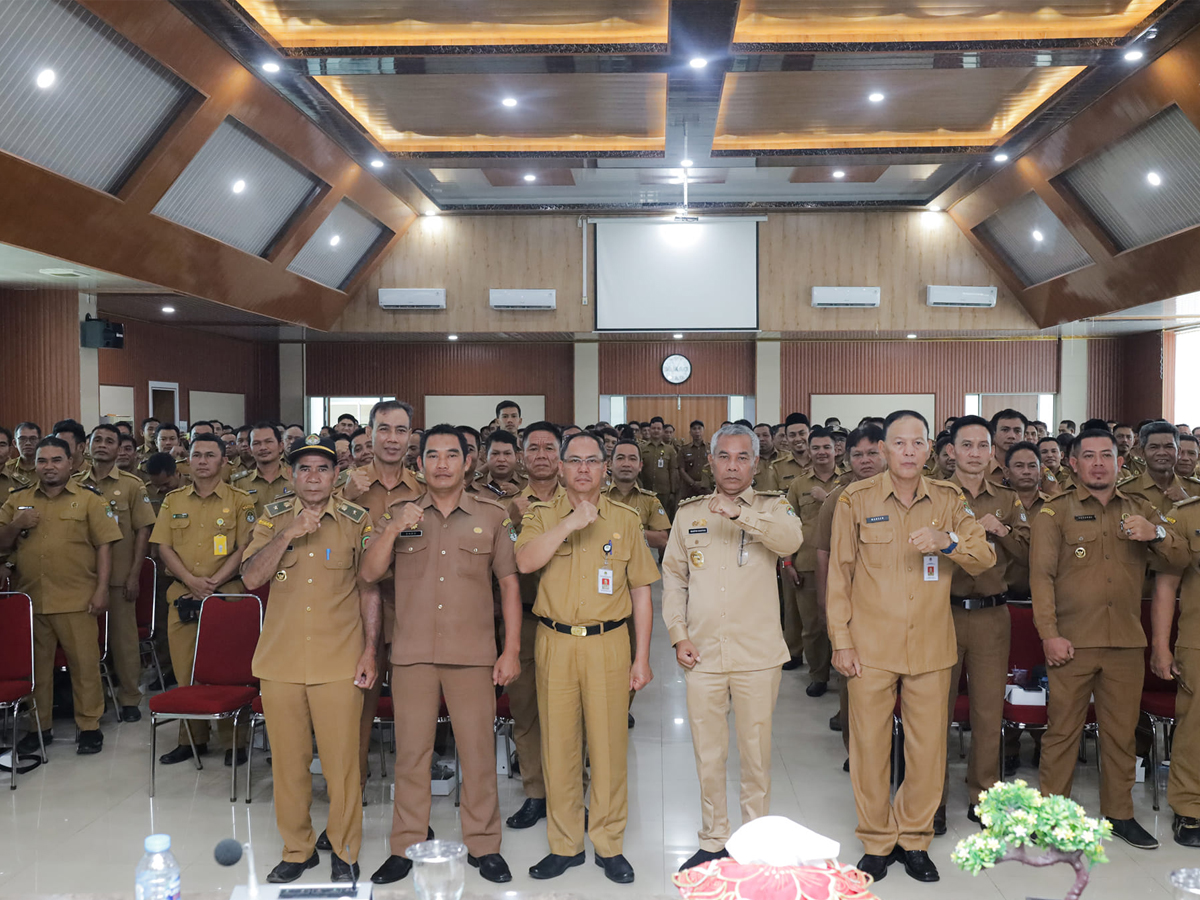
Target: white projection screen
[(653, 275)]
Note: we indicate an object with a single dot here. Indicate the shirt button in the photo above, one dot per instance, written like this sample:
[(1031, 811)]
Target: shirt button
[(310, 581), (443, 553), (308, 639), (722, 590), (308, 609), (310, 555), (442, 578), (439, 606)]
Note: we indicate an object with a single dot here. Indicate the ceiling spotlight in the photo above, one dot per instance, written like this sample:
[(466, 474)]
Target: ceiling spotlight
[(1154, 178), (271, 67), (509, 102), (933, 207), (1001, 157), (45, 78), (431, 212), (876, 97), (530, 177), (1134, 55), (911, 337), (377, 164), (1038, 236), (686, 163), (678, 337), (698, 62), (239, 186), (452, 337), (335, 240), (168, 309), (679, 180), (839, 174)]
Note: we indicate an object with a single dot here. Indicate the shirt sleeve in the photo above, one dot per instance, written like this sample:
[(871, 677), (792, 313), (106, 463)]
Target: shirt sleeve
[(1044, 548), (1173, 550), (675, 585), (102, 524), (162, 525), (842, 553), (974, 555), (823, 533), (657, 520), (1016, 542), (504, 554), (641, 569), (777, 526), (141, 512), (261, 534), (533, 523), (8, 511), (245, 519)]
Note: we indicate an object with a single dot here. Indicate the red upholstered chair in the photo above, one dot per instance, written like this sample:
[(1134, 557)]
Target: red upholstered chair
[(257, 720), (147, 615), (222, 684), (16, 667), (1158, 705)]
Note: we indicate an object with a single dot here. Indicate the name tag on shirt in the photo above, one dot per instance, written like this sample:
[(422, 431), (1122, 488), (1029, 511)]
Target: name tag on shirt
[(697, 531), (220, 545), (604, 581), (871, 520), (931, 567), (1085, 518), (416, 533), (660, 462)]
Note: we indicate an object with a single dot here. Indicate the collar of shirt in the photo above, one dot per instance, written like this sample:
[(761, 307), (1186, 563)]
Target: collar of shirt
[(986, 488), (746, 497), (222, 490), (425, 501), (71, 487), (527, 491), (89, 472), (1084, 494), (406, 476), (889, 487)]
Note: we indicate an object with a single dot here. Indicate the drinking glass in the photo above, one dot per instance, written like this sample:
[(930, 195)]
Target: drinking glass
[(439, 869)]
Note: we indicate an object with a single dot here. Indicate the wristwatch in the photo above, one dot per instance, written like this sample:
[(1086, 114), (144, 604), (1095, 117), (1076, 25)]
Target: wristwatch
[(1160, 534), (953, 543)]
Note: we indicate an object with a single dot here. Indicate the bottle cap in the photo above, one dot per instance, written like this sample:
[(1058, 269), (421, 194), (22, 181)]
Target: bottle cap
[(158, 843)]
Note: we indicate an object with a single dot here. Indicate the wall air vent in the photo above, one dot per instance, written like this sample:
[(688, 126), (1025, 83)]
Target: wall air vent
[(528, 299), (845, 297), (952, 295), (412, 298)]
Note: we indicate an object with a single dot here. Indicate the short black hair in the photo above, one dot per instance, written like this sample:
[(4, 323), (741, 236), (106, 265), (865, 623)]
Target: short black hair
[(168, 426), (872, 433), (104, 426), (71, 427), (1009, 414), (763, 425), (8, 434), (658, 419), (161, 463), (820, 431), (57, 443), (745, 423), (1095, 425), (1070, 423), (904, 414), (505, 404), (146, 421), (1021, 445), (449, 431), (1088, 434), (248, 428), (500, 436), (1052, 440), (357, 432), (1154, 428), (126, 438), (124, 423), (206, 437), (795, 419), (696, 422), (968, 421), (562, 451), (267, 426), (192, 428), (34, 425), (340, 436), (1188, 436), (548, 427), (384, 406), (622, 442), (467, 429), (345, 416), (1141, 425), (943, 441)]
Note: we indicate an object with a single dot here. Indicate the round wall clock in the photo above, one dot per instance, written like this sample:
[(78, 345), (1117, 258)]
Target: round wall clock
[(677, 368)]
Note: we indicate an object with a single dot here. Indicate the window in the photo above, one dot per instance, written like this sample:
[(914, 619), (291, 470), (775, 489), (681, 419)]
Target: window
[(324, 411)]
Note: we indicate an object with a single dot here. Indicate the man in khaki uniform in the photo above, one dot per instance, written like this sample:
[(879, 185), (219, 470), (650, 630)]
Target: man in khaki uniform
[(444, 550), (1130, 449), (148, 447), (781, 473), (692, 459), (23, 469), (6, 481), (126, 497), (161, 475), (270, 479), (202, 531), (1087, 563), (1189, 456), (803, 620), (719, 609), (315, 656), (979, 608), (1056, 477), (1158, 484), (896, 540), (60, 534), (660, 466), (1008, 428), (502, 479), (596, 571)]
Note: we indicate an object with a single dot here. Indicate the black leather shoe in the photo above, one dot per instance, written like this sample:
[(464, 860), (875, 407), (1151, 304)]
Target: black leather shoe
[(89, 742), (428, 833), (917, 864), (287, 872), (794, 663), (229, 757), (1133, 834), (1011, 764), (846, 765), (1187, 831), (939, 821), (29, 746), (817, 689), (630, 720), (323, 841), (701, 856), (835, 722), (553, 865), (616, 868), (395, 868), (492, 867), (183, 753), (875, 866), (972, 815), (340, 870), (131, 714), (531, 811)]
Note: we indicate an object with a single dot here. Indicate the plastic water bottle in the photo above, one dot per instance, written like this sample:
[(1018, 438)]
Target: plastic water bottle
[(157, 876)]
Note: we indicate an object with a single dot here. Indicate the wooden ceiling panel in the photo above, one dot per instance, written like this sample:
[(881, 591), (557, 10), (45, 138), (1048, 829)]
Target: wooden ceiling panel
[(823, 21), (509, 177), (922, 107), (304, 24), (824, 174), (464, 113)]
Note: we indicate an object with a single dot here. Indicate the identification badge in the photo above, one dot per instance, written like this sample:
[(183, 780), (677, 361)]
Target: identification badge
[(661, 464), (604, 581), (931, 567), (220, 545)]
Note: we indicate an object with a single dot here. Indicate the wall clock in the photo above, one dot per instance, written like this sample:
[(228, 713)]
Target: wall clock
[(677, 368)]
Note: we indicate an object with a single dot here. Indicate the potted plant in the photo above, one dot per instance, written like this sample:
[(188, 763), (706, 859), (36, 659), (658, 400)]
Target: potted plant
[(1020, 825)]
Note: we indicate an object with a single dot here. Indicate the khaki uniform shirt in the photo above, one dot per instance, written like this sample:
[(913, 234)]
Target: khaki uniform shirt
[(647, 504), (994, 474), (1085, 576), (313, 631), (265, 492), (800, 497), (1187, 523), (529, 580), (1005, 505), (126, 497), (486, 486), (878, 600), (1018, 566), (719, 581), (443, 569), (56, 560), (569, 590), (204, 531), (659, 464), (377, 499), (20, 476), (7, 484), (692, 460), (823, 530), (1143, 486), (782, 473)]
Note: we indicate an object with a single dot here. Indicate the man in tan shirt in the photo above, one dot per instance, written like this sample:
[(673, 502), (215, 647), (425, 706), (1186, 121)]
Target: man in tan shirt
[(270, 479), (315, 656), (596, 571), (60, 534), (444, 550), (1188, 456), (1008, 428), (896, 541), (22, 470), (1087, 563), (1158, 484), (692, 459), (660, 466), (502, 478), (780, 474), (720, 613)]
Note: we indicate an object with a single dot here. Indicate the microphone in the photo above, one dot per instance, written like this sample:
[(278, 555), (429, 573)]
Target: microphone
[(229, 851)]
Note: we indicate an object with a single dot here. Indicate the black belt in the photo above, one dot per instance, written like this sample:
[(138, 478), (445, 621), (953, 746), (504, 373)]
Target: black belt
[(581, 630), (973, 603)]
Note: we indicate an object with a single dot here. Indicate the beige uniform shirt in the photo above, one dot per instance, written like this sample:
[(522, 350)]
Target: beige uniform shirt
[(529, 580), (486, 486), (647, 504), (692, 460), (719, 581), (1187, 523), (1018, 566), (263, 491), (781, 473), (660, 463), (1143, 486), (20, 476), (878, 600), (800, 497), (126, 496), (313, 631), (204, 531), (1005, 505)]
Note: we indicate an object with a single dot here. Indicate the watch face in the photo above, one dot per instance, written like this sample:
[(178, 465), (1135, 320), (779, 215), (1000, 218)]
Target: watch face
[(677, 368)]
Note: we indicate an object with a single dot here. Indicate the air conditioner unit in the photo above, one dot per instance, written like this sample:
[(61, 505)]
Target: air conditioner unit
[(412, 298), (853, 297), (521, 299), (951, 295)]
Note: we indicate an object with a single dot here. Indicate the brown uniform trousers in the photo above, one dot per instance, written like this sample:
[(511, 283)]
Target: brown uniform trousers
[(1183, 783)]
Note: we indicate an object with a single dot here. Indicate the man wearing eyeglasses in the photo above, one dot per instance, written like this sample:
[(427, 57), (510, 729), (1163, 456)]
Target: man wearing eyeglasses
[(596, 570), (720, 610)]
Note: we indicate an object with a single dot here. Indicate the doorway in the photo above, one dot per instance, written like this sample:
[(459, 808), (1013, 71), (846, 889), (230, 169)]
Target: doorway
[(164, 401), (680, 411)]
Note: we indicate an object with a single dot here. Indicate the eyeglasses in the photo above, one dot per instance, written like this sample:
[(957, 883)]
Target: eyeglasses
[(590, 462)]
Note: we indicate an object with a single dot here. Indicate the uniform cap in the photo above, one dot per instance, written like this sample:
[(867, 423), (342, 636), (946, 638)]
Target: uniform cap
[(316, 445)]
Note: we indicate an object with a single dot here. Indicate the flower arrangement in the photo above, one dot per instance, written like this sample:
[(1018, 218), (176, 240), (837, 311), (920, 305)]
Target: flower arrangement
[(1020, 825)]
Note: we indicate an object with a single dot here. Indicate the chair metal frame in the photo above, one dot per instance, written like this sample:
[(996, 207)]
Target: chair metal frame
[(148, 647), (12, 708)]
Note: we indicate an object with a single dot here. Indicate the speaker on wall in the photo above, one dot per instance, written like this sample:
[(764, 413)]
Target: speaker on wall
[(101, 334)]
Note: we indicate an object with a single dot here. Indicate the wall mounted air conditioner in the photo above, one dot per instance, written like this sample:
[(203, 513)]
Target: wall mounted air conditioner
[(412, 298), (521, 299), (952, 295), (852, 297)]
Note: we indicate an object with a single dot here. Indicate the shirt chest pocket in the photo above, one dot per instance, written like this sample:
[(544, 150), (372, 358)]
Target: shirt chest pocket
[(412, 556), (1084, 543), (875, 546), (338, 559), (697, 538), (180, 530), (474, 551), (74, 522)]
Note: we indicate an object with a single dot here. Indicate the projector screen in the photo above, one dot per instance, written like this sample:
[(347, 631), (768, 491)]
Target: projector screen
[(673, 276)]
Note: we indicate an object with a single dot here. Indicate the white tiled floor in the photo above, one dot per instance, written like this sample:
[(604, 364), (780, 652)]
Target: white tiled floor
[(76, 825)]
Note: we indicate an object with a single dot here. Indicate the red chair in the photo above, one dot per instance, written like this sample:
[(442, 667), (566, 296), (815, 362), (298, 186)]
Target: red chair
[(147, 615), (16, 668), (222, 685), (1158, 705)]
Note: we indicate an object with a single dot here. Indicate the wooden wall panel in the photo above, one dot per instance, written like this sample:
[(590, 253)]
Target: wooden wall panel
[(947, 369), (680, 411), (1132, 378), (39, 343), (718, 367), (198, 361), (412, 371)]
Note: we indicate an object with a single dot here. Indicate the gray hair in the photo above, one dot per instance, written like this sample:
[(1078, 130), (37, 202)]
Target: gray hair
[(733, 431)]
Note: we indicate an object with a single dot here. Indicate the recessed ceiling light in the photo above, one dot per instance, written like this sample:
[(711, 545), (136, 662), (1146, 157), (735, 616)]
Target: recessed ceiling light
[(45, 78), (239, 186), (677, 337), (335, 240), (698, 62), (1154, 178), (271, 67), (686, 163), (875, 97), (509, 101), (839, 174), (377, 164), (679, 180), (452, 337), (431, 212), (1134, 55), (529, 176), (679, 721), (168, 309), (1038, 236), (911, 337), (1001, 157), (933, 207)]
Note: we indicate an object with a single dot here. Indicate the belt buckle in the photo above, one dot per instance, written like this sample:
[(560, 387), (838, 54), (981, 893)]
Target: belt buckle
[(579, 630)]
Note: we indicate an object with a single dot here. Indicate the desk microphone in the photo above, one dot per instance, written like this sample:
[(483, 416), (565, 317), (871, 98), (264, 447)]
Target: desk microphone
[(229, 851)]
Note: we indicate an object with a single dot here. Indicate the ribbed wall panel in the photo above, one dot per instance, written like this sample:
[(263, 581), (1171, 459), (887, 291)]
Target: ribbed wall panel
[(39, 343), (948, 369), (339, 246), (413, 371), (718, 367), (1132, 378), (1032, 241)]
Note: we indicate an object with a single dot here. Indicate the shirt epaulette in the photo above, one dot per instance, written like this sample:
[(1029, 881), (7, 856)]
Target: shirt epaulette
[(244, 493), (88, 487), (1127, 479), (1189, 500), (277, 508), (351, 511), (771, 493), (694, 499), (621, 505), (1192, 478), (238, 476), (23, 487), (483, 498), (642, 490)]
